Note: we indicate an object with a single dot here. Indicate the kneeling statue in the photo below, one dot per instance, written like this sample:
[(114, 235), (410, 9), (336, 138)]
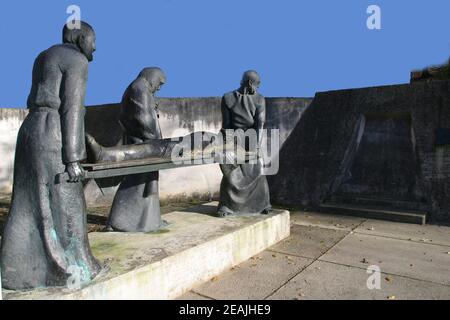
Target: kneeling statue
[(244, 188)]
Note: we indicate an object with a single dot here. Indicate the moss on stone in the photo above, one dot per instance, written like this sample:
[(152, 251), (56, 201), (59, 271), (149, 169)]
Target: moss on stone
[(102, 247)]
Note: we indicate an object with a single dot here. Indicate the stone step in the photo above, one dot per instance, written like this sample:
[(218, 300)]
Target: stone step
[(407, 205), (375, 213)]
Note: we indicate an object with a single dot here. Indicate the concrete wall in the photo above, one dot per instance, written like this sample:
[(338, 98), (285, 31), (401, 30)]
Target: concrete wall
[(313, 154), (178, 117), (315, 136), (10, 121)]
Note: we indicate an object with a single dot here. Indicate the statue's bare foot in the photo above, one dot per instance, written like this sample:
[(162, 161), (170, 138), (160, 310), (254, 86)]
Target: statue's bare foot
[(94, 149)]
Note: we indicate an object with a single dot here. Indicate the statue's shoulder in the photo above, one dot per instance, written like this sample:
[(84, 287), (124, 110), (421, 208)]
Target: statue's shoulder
[(137, 95), (65, 55), (229, 98), (260, 99), (137, 87), (230, 95)]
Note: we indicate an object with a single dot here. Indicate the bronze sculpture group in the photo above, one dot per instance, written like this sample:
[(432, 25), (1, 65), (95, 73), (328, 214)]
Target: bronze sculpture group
[(45, 233)]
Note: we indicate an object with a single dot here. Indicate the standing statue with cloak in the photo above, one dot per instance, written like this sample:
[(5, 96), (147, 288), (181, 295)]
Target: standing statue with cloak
[(45, 239), (244, 188), (136, 205)]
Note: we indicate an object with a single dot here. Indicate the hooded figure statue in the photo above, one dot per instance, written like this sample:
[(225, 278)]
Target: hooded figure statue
[(136, 204)]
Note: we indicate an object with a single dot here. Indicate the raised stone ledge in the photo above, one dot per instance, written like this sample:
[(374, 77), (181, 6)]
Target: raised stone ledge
[(194, 248)]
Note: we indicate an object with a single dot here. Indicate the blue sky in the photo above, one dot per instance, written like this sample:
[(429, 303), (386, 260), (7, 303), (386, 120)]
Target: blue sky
[(298, 47)]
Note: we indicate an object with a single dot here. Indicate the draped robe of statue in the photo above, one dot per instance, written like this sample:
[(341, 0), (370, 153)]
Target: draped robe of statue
[(243, 190), (136, 205), (45, 239)]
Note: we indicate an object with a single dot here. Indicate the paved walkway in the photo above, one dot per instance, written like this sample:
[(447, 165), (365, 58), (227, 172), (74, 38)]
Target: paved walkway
[(327, 257)]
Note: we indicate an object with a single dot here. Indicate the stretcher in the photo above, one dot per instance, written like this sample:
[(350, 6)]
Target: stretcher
[(131, 167)]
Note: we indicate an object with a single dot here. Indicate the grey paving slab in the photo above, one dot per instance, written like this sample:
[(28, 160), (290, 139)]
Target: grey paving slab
[(426, 234), (310, 242), (192, 296), (407, 258), (323, 280), (254, 279), (325, 220)]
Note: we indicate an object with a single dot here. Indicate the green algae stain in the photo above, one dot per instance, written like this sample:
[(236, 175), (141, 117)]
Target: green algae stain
[(103, 247), (157, 232)]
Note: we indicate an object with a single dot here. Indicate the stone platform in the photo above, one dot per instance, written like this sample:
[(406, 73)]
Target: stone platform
[(194, 248)]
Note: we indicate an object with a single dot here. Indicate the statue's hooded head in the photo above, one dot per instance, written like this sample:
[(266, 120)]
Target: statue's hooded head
[(250, 82), (154, 76), (83, 38)]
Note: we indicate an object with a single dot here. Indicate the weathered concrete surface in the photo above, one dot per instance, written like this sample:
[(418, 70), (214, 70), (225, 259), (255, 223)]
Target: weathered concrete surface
[(378, 212), (192, 296), (10, 122), (315, 153), (309, 242), (399, 257), (346, 277), (431, 234), (324, 220), (275, 268), (194, 248), (323, 280)]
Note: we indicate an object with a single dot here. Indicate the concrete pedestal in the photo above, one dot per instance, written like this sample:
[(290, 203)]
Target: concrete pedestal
[(195, 247)]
